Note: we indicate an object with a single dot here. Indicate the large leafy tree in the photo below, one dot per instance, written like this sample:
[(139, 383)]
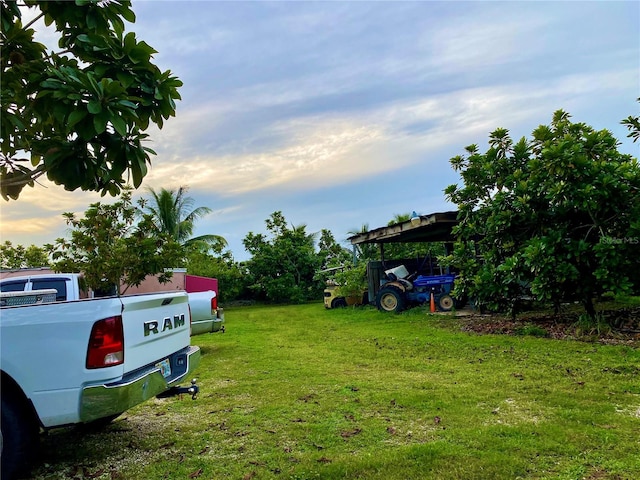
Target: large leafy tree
[(231, 277), (174, 214), (20, 256), (113, 247), (77, 115), (331, 253), (283, 263), (556, 216)]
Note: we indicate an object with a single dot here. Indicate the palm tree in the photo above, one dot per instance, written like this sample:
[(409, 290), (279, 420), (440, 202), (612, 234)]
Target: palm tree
[(173, 213), (365, 251), (399, 218)]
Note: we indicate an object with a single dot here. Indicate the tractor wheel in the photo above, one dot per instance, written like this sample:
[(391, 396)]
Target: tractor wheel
[(445, 303), (338, 302), (390, 299)]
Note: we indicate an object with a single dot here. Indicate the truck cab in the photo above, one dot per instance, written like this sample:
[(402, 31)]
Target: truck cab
[(69, 286)]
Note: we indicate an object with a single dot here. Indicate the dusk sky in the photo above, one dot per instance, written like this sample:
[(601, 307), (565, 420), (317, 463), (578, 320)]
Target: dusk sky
[(341, 114)]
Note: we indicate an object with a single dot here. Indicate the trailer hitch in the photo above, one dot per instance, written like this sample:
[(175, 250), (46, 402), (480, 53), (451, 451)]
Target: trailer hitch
[(192, 390)]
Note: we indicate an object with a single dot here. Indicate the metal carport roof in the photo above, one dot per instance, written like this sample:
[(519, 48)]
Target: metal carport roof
[(435, 227)]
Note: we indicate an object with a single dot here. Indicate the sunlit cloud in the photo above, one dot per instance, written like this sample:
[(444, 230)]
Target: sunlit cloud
[(324, 150), (36, 217), (32, 228), (317, 148), (47, 198)]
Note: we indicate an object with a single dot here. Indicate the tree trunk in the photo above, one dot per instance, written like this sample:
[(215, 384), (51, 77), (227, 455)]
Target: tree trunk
[(587, 302)]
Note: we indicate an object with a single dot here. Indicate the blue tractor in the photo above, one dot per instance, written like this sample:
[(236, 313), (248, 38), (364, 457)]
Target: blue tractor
[(400, 290)]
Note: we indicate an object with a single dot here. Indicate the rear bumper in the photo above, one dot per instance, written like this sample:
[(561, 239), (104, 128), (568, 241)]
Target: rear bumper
[(208, 325), (99, 401)]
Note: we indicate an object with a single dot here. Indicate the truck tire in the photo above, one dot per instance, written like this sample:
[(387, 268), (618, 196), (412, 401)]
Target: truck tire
[(18, 437), (390, 299)]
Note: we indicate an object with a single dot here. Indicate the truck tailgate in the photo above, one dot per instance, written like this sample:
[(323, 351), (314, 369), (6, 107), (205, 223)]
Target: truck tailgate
[(155, 325)]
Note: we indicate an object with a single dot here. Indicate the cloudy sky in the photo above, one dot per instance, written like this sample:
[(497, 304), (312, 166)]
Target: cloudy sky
[(341, 114)]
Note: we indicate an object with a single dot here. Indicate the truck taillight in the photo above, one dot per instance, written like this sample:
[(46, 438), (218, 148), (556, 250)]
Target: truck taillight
[(214, 304), (106, 343)]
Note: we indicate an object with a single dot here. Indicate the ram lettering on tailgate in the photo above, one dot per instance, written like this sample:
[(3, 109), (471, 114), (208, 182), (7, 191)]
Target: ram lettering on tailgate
[(153, 326)]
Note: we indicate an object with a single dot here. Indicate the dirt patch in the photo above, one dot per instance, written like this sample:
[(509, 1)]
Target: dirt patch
[(616, 326)]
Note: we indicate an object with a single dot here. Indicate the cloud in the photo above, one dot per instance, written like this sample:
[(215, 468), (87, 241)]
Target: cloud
[(32, 227), (330, 149), (320, 149), (344, 113)]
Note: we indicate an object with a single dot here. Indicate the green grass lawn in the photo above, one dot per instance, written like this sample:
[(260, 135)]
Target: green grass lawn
[(300, 392)]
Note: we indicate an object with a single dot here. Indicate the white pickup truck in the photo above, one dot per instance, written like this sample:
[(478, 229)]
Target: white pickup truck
[(86, 360), (206, 315)]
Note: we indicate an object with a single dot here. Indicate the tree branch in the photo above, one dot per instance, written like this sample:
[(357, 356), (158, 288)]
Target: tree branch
[(34, 20)]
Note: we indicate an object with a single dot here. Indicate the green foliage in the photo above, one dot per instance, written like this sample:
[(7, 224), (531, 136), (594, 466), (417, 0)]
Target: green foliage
[(352, 280), (20, 257), (231, 277), (78, 114), (633, 124), (531, 330), (332, 256), (557, 216), (112, 248), (365, 252), (331, 253), (283, 265), (173, 213), (595, 326)]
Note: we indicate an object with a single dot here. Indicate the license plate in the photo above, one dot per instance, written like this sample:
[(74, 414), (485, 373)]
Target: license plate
[(165, 367)]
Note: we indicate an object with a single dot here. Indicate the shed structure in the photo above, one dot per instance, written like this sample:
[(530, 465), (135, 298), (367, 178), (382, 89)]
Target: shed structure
[(435, 227)]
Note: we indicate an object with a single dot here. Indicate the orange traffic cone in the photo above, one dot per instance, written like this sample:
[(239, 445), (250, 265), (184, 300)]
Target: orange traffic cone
[(433, 304)]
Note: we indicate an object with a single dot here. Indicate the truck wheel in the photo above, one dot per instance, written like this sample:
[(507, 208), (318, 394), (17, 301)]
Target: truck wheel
[(445, 302), (338, 302), (18, 436), (390, 299)]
